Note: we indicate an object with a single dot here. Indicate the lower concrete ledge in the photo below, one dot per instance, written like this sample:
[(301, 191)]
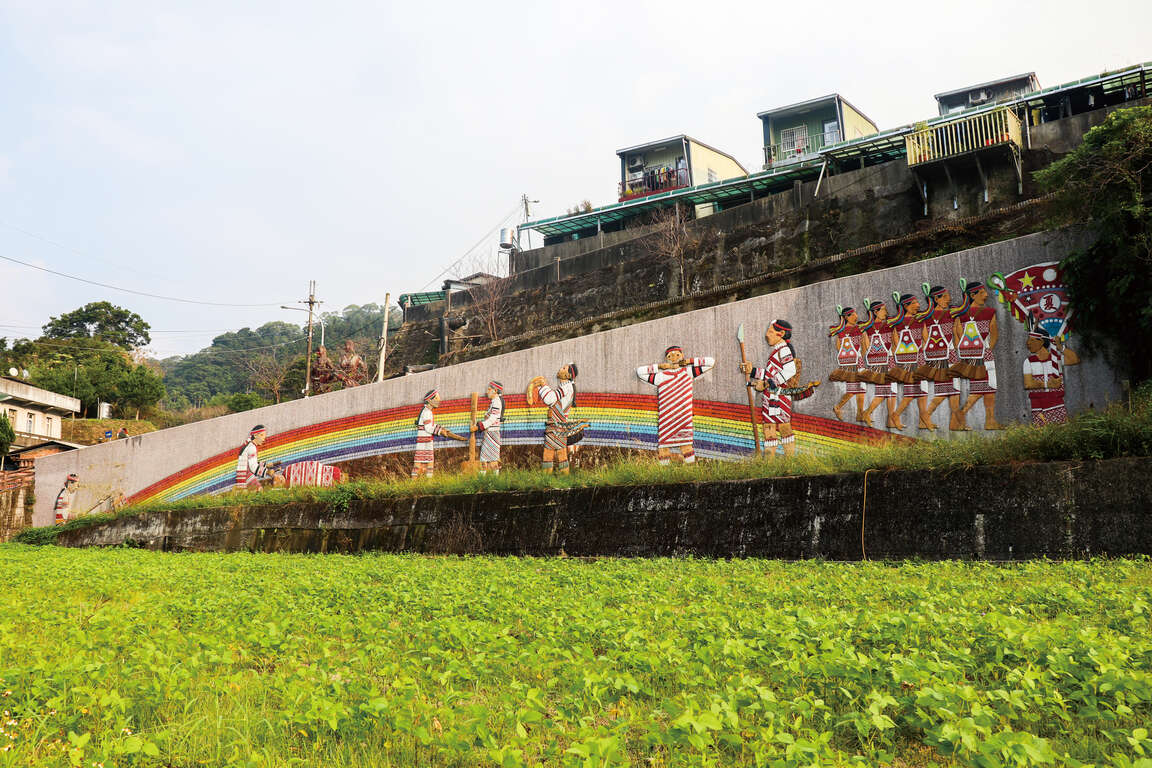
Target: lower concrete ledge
[(1057, 510)]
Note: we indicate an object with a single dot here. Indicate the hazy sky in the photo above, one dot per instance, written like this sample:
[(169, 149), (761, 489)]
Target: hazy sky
[(230, 152)]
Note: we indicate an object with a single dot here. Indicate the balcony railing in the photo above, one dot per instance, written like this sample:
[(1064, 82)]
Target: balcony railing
[(798, 147), (999, 127), (653, 181)]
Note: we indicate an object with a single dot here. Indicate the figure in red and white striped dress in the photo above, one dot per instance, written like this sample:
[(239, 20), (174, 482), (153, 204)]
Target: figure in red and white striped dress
[(781, 372), (976, 333), (423, 462), (489, 429), (849, 361), (673, 381)]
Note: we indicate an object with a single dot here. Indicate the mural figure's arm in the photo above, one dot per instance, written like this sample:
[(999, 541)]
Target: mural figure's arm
[(700, 365), (993, 332)]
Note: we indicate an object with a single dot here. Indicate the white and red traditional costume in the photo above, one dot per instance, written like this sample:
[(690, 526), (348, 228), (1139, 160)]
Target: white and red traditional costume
[(975, 330), (559, 400), (1047, 404), (849, 358), (781, 368), (426, 431), (249, 469), (878, 357), (65, 499), (674, 399), (491, 424)]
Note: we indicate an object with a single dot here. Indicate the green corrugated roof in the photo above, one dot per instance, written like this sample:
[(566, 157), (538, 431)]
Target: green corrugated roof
[(416, 299)]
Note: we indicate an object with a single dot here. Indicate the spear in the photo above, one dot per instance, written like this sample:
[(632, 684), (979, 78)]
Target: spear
[(751, 395)]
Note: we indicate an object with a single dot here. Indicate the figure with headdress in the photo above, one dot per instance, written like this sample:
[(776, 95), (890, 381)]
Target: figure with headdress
[(559, 399), (878, 360), (250, 471), (673, 379), (353, 369), (976, 333), (779, 383), (907, 339), (66, 499), (939, 352), (849, 361), (489, 428), (427, 429), (1044, 376)]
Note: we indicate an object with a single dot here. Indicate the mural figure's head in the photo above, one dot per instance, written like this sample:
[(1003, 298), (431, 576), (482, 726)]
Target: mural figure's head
[(780, 330), (910, 303), (673, 355), (322, 352), (72, 481), (432, 398), (1038, 339), (349, 347), (567, 372), (978, 293), (494, 388), (939, 297), (258, 434), (878, 310), (849, 315)]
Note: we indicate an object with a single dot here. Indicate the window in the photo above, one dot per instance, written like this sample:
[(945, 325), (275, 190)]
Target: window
[(48, 426), (31, 423), (831, 132), (713, 176), (794, 141), (12, 417)]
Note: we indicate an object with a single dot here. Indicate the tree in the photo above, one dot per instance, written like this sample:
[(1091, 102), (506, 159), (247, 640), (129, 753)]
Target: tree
[(673, 242), (488, 300), (267, 374), (1106, 182), (7, 436), (88, 369), (100, 320), (139, 389)]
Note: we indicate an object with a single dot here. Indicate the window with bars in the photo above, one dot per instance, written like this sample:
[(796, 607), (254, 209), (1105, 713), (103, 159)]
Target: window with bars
[(794, 141)]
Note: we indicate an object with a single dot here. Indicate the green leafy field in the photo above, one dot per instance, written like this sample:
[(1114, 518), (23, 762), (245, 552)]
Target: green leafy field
[(126, 657)]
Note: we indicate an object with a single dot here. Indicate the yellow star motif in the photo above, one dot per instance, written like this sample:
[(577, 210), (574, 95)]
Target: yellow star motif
[(1026, 281)]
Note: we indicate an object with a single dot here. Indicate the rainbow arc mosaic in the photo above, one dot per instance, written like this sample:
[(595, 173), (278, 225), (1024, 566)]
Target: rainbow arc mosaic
[(617, 420)]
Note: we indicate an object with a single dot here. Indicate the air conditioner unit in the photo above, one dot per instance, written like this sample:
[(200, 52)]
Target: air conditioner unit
[(636, 162), (978, 97)]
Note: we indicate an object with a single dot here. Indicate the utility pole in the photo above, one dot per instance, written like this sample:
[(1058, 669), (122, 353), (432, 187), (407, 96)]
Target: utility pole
[(311, 302), (524, 199), (383, 340)]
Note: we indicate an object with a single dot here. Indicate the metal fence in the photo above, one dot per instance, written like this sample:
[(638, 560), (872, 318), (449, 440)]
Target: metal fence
[(959, 137)]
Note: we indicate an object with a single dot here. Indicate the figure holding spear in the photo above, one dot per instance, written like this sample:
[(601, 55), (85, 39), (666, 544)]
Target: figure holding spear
[(748, 386)]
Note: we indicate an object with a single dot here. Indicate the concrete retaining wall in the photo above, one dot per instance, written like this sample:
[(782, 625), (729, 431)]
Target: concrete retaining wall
[(1061, 510), (607, 363)]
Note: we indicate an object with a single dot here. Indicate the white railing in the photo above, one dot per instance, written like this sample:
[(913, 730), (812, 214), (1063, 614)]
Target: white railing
[(967, 134)]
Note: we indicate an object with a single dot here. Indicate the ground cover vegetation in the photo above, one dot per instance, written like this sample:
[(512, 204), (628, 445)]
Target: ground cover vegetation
[(129, 657)]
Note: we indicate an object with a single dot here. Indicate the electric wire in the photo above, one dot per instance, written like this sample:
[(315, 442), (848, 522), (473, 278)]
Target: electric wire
[(131, 290), (478, 243)]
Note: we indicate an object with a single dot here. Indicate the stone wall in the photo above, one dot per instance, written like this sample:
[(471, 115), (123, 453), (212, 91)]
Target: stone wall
[(1058, 510)]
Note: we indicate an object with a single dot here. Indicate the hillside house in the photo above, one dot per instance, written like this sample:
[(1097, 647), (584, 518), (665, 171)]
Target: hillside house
[(799, 131), (35, 414), (673, 163), (992, 92)]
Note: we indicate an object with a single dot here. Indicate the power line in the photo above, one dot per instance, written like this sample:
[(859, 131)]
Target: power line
[(150, 330), (467, 253), (130, 290)]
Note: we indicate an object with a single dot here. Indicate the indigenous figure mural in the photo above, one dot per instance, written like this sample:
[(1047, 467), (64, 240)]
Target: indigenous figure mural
[(353, 370), (426, 431), (779, 381), (1044, 377), (975, 332), (878, 360), (673, 381), (66, 499), (849, 361), (489, 427), (1037, 297), (250, 471), (907, 337), (938, 351), (557, 428), (324, 374)]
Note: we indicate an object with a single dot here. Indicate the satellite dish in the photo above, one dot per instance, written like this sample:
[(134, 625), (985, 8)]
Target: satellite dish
[(25, 373), (13, 372)]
